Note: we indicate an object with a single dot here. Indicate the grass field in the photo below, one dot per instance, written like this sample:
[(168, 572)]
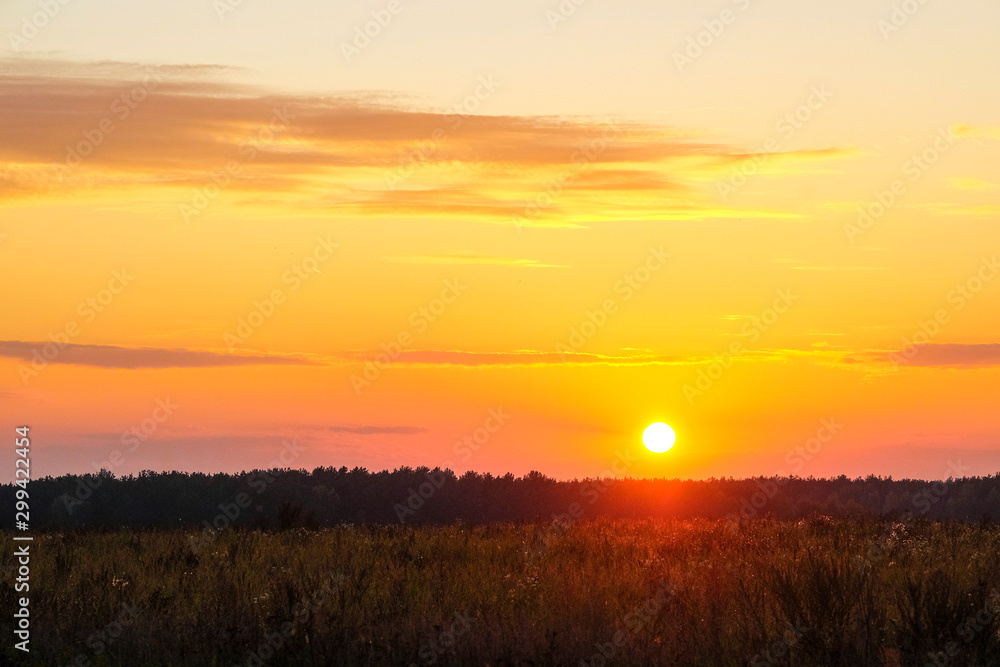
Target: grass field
[(642, 592)]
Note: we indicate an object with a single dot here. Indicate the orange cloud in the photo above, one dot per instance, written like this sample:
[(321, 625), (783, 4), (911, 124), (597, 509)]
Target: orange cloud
[(977, 131), (473, 259), (958, 355), (67, 126), (943, 355), (113, 356)]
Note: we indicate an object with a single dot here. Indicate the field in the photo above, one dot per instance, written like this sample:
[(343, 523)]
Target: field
[(637, 592)]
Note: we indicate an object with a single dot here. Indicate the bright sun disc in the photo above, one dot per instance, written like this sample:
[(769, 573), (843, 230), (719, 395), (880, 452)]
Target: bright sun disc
[(658, 437)]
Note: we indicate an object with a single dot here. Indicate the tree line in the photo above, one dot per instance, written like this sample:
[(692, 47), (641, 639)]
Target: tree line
[(283, 498)]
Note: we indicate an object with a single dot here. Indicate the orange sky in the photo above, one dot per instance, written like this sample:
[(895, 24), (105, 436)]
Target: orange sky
[(211, 252)]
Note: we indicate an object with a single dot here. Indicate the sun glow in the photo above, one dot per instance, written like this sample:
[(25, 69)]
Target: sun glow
[(658, 437)]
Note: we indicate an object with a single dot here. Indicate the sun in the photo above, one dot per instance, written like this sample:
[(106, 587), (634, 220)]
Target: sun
[(658, 437)]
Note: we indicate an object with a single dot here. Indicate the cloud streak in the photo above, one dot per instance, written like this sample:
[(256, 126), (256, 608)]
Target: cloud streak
[(932, 355), (378, 430), (116, 357), (342, 152), (977, 131), (112, 356), (959, 355), (473, 259), (517, 358)]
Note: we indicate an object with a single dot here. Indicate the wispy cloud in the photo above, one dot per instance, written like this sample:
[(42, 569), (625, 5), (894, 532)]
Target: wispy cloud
[(339, 151), (378, 430), (953, 355), (304, 433), (977, 131), (473, 259), (544, 358), (801, 265), (517, 358), (112, 356), (971, 185), (965, 210), (820, 267), (115, 357), (956, 354)]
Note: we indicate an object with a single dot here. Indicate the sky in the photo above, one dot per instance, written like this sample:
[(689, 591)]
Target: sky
[(501, 236)]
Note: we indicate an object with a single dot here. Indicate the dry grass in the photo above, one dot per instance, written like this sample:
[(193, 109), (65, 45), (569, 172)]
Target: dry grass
[(670, 592)]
